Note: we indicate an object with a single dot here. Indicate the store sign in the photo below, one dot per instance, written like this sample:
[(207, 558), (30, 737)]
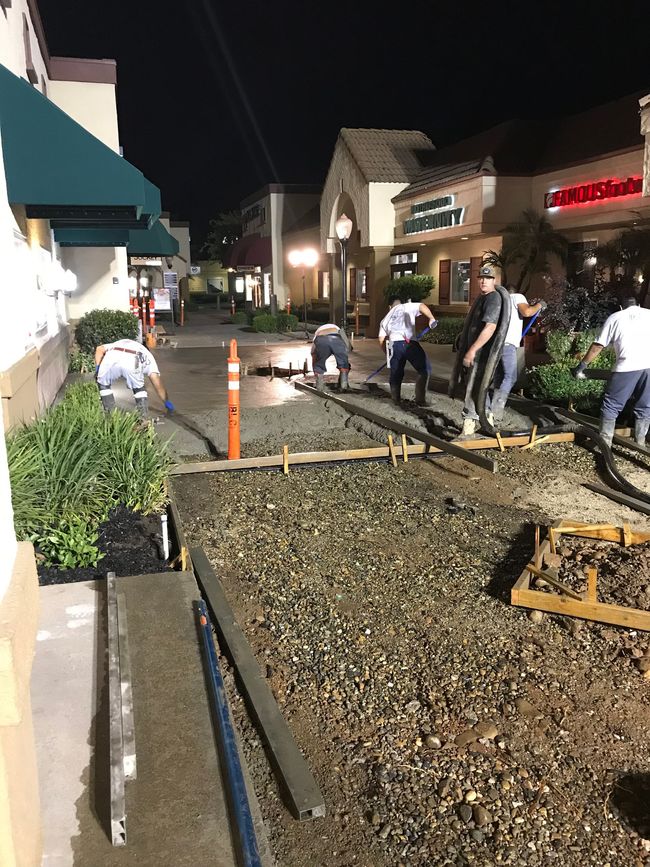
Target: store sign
[(170, 282), (195, 270), (595, 191), (434, 214)]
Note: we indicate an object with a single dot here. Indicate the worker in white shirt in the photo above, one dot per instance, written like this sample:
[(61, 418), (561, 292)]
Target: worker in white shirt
[(128, 360), (628, 333), (329, 339), (396, 333), (507, 372)]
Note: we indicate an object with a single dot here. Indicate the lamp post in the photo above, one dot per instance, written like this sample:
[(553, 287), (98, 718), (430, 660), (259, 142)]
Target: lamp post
[(343, 227), (306, 258)]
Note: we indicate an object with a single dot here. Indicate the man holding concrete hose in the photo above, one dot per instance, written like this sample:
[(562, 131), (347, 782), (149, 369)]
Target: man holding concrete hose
[(128, 360), (628, 333)]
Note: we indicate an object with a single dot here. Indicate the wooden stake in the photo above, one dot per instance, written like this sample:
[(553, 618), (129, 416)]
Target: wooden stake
[(285, 460), (551, 540), (626, 535), (592, 577), (533, 434), (184, 559), (500, 441), (554, 582), (391, 450), (405, 449), (538, 561)]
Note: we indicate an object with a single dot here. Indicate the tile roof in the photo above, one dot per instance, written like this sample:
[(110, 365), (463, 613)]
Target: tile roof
[(388, 155)]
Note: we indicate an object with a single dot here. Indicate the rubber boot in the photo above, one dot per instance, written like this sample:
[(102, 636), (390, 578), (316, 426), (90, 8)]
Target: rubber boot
[(142, 405), (641, 426), (344, 384), (107, 398), (498, 407), (421, 384), (396, 393), (320, 381), (607, 426)]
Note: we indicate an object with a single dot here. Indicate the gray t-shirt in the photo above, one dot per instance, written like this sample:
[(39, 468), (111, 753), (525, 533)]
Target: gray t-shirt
[(489, 312)]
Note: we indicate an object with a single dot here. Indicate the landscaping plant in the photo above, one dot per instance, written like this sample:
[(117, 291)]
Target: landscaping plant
[(447, 330), (81, 362), (415, 287), (104, 326), (287, 322), (69, 468)]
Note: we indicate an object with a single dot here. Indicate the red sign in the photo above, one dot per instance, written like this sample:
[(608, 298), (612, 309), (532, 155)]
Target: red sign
[(595, 191)]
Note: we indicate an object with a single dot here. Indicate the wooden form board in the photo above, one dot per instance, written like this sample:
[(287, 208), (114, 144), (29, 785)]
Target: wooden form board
[(375, 453), (587, 608)]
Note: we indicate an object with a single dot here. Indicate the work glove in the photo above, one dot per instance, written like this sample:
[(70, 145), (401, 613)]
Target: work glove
[(542, 304), (169, 406), (433, 324), (579, 371)]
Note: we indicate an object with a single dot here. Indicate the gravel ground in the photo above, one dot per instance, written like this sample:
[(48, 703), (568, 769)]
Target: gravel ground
[(444, 726)]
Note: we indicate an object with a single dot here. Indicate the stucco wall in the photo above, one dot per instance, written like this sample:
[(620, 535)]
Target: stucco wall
[(344, 177), (7, 535), (92, 105), (381, 214), (96, 268), (12, 51)]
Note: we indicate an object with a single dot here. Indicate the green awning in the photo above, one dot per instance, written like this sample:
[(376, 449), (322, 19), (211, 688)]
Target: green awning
[(61, 172), (92, 237), (155, 241)]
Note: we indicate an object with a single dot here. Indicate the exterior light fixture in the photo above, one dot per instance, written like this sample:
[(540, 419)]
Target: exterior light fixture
[(305, 258), (343, 229)]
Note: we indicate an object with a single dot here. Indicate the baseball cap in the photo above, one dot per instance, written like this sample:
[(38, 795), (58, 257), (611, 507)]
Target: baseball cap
[(487, 271)]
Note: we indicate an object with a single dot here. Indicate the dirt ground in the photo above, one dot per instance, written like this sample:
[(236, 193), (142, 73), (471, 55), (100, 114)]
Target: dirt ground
[(444, 726)]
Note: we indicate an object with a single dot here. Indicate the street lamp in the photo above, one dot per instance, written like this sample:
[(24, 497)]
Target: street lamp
[(343, 228), (306, 258)]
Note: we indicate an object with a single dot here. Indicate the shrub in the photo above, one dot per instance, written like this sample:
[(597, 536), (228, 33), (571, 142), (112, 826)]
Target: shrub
[(568, 348), (415, 287), (240, 318), (446, 331), (265, 322), (554, 383), (105, 326), (576, 308), (75, 463), (287, 322), (81, 362)]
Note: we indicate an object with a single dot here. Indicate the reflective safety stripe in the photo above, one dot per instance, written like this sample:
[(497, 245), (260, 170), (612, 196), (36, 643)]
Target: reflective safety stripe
[(104, 391), (138, 394), (233, 368), (233, 386)]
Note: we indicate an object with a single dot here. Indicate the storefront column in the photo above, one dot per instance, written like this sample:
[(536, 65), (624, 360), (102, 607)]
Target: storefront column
[(378, 279), (645, 130)]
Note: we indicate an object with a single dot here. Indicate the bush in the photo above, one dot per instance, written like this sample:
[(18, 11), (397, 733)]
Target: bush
[(575, 308), (287, 322), (240, 318), (105, 326), (69, 468), (554, 383), (446, 331), (81, 362), (265, 322), (415, 287), (569, 348)]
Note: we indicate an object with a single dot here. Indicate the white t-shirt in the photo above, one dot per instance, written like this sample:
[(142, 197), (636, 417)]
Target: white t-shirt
[(628, 332), (328, 328), (132, 365), (515, 327), (399, 322)]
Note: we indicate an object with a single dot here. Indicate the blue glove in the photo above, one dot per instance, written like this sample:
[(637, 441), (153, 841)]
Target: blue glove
[(578, 372), (169, 406), (433, 324)]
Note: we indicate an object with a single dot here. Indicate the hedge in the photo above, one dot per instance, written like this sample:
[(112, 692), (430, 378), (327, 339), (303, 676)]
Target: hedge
[(105, 326)]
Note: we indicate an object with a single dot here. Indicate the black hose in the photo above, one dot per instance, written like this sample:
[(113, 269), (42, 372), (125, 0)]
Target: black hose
[(479, 378)]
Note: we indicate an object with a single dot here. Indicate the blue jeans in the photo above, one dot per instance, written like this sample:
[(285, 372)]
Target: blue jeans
[(400, 353), (326, 345), (506, 376), (621, 387)]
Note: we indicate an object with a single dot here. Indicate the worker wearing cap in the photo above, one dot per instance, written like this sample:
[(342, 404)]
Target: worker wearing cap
[(480, 337), (628, 332), (396, 333), (129, 360), (507, 372), (329, 339)]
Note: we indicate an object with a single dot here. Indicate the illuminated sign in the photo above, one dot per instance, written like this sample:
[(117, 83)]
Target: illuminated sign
[(433, 214), (593, 192)]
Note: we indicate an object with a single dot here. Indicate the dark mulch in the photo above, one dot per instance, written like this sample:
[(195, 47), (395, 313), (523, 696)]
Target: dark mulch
[(132, 544)]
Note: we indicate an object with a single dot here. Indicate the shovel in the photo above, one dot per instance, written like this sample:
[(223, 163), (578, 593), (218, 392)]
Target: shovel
[(379, 369)]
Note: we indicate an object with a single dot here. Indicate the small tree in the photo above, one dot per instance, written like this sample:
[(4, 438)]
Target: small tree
[(224, 231), (578, 308), (625, 260), (414, 287), (529, 242)]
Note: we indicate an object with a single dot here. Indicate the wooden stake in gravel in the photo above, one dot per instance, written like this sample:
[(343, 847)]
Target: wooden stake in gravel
[(405, 449), (592, 579), (500, 441), (391, 450), (538, 562), (285, 460)]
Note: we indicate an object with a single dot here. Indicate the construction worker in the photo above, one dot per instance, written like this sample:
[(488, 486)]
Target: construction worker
[(329, 339), (628, 332), (129, 360), (396, 333), (507, 371)]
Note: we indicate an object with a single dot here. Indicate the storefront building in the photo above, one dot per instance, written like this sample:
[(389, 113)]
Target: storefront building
[(583, 173), (257, 265)]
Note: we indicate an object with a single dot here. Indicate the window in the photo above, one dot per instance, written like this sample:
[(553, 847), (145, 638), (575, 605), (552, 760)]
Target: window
[(403, 264), (362, 282), (324, 284), (460, 273)]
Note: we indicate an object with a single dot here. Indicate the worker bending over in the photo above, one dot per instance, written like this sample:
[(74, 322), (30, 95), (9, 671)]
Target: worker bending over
[(129, 360), (396, 333), (628, 332), (329, 339)]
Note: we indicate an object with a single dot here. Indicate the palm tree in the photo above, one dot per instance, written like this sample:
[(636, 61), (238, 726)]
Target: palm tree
[(627, 258), (531, 240), (498, 259)]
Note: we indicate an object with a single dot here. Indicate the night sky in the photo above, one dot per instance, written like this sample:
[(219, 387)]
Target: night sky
[(216, 99)]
